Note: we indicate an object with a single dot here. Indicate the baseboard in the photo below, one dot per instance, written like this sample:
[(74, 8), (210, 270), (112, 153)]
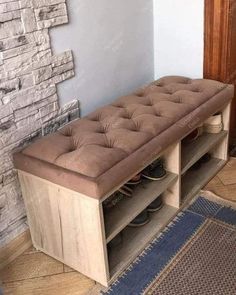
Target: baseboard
[(15, 248)]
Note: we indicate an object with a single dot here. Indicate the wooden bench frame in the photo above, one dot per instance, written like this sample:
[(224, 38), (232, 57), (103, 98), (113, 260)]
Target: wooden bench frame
[(72, 228)]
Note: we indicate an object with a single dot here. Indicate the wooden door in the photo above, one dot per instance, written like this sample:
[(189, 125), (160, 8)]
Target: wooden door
[(220, 46)]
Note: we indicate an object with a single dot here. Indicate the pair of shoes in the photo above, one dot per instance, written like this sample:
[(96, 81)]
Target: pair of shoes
[(135, 180), (117, 196), (143, 217), (116, 241), (206, 158), (126, 190), (155, 171), (113, 200), (214, 124), (194, 134)]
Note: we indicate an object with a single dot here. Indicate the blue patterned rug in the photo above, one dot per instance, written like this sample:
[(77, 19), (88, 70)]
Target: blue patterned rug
[(173, 264)]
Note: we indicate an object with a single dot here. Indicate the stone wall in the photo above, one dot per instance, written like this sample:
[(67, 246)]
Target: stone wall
[(29, 107)]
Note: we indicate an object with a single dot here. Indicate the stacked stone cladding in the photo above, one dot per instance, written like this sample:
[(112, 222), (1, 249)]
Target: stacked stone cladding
[(29, 106)]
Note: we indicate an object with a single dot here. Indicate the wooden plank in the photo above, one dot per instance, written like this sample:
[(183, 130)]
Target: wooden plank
[(15, 248), (228, 174), (127, 209), (66, 225), (134, 240), (221, 151), (72, 283), (172, 195), (29, 266), (194, 181), (193, 151)]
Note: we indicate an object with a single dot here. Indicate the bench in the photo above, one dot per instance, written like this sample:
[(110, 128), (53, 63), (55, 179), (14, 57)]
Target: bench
[(66, 176)]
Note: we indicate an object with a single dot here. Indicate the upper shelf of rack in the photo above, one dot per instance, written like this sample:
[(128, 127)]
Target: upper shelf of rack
[(125, 211), (193, 151)]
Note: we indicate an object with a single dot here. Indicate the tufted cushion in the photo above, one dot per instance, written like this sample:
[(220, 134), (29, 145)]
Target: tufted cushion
[(94, 154)]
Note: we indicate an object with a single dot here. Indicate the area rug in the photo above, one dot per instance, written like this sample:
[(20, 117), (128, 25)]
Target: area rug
[(194, 255)]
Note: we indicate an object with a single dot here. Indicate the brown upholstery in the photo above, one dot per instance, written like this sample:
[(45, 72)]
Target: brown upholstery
[(94, 154)]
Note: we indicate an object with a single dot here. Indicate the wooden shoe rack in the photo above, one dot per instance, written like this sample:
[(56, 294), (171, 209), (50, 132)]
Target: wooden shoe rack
[(74, 229)]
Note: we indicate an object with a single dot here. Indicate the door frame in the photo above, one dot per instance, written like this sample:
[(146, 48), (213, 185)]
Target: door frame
[(217, 48)]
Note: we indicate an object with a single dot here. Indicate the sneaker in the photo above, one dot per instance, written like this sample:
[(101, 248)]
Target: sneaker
[(135, 180), (140, 220), (214, 124), (155, 205), (127, 191), (196, 166), (113, 200), (206, 158), (155, 171), (194, 134), (116, 241)]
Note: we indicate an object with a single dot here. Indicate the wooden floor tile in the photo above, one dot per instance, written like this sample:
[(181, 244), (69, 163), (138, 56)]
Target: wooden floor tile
[(71, 283), (214, 182), (30, 266), (68, 269), (31, 250), (228, 174), (227, 192)]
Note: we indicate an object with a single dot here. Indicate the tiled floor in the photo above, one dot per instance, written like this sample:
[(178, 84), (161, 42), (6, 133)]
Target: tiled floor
[(34, 273), (224, 184)]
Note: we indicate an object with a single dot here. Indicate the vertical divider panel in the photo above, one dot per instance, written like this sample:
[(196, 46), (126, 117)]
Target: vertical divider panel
[(104, 242), (172, 196), (221, 151), (66, 225)]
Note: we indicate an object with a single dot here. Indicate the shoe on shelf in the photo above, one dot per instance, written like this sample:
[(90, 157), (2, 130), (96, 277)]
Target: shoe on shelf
[(116, 241), (155, 171), (196, 166), (126, 190), (194, 134), (156, 205), (214, 124), (203, 160), (140, 220), (113, 200), (135, 180)]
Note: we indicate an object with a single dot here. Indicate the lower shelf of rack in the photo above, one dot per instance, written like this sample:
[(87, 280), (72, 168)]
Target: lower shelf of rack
[(194, 180), (124, 212), (134, 240)]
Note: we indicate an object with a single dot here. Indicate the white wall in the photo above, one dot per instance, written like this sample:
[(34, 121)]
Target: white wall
[(112, 42), (179, 37)]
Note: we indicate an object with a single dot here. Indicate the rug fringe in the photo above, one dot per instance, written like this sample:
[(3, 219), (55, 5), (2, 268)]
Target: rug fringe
[(209, 195)]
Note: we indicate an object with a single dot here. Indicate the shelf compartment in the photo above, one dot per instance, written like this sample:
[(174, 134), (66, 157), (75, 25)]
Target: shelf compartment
[(127, 209), (194, 181), (134, 240), (193, 151)]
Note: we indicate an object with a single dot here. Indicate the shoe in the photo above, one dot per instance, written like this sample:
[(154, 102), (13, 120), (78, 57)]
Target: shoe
[(155, 205), (206, 158), (155, 171), (113, 200), (194, 134), (135, 180), (140, 220), (196, 166), (116, 241), (214, 124), (127, 191)]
